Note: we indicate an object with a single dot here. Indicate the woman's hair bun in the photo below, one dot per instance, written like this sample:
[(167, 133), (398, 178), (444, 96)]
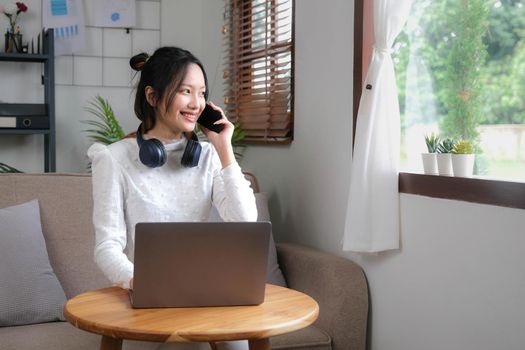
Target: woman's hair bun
[(137, 62)]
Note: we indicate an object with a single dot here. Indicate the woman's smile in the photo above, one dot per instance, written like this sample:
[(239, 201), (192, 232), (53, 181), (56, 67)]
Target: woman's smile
[(190, 116)]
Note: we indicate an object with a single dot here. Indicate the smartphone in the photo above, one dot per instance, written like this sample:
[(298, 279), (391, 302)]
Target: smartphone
[(210, 116)]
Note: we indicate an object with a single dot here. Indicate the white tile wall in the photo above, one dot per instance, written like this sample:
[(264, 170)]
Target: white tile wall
[(145, 41), (148, 15), (105, 60), (64, 70), (117, 72), (93, 42), (78, 78), (88, 13), (117, 43), (87, 71)]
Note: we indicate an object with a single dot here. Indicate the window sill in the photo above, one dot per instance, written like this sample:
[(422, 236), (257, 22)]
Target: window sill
[(476, 190)]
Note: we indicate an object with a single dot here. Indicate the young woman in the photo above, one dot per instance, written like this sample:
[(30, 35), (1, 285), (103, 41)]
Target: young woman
[(164, 174)]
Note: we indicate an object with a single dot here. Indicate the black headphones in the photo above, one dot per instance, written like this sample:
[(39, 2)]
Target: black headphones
[(153, 154)]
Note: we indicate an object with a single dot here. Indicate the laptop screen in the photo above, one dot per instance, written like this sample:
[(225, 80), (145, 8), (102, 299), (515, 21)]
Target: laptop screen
[(200, 263)]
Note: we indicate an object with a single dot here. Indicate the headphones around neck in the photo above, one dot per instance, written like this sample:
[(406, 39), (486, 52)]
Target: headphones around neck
[(153, 154)]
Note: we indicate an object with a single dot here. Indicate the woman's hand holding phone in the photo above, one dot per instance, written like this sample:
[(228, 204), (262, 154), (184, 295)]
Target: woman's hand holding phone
[(208, 117), (220, 140)]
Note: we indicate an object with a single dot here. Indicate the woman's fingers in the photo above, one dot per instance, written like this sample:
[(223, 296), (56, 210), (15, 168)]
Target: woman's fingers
[(217, 108)]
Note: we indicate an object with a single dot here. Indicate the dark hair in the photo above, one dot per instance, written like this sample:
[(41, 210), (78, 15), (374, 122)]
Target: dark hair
[(164, 71)]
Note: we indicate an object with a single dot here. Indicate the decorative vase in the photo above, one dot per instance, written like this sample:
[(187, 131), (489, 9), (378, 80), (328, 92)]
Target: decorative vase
[(429, 163), (444, 163), (463, 164), (13, 42)]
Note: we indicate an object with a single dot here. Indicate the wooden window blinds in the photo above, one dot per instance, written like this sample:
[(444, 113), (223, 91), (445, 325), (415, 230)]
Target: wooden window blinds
[(258, 73)]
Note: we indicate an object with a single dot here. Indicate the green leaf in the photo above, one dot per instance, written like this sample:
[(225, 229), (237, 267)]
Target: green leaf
[(446, 146), (107, 129), (4, 168)]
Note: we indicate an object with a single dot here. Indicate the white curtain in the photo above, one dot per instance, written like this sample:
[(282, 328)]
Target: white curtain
[(372, 219)]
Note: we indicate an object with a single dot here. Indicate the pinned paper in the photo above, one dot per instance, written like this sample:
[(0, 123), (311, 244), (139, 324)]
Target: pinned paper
[(114, 13), (67, 18)]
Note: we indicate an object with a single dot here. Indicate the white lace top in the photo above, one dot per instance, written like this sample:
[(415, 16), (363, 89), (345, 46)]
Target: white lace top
[(126, 192)]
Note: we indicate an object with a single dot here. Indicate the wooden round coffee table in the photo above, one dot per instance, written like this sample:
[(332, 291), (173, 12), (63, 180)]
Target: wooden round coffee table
[(108, 312)]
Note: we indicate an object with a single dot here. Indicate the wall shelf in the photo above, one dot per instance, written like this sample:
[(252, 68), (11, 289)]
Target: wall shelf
[(24, 57), (28, 118)]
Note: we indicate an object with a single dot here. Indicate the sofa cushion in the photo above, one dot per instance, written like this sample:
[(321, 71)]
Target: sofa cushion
[(309, 338), (63, 336), (52, 335), (274, 274), (29, 290), (66, 208), (58, 336)]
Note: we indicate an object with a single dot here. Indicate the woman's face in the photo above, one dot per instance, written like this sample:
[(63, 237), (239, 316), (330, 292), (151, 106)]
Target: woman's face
[(185, 109)]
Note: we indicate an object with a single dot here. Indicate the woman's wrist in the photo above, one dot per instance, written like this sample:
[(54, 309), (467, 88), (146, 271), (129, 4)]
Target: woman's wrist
[(226, 155)]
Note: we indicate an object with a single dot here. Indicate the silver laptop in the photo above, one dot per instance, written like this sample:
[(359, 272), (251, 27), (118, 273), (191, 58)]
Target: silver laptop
[(180, 264)]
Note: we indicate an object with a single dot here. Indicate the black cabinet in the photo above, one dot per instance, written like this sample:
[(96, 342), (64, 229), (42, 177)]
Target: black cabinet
[(35, 118)]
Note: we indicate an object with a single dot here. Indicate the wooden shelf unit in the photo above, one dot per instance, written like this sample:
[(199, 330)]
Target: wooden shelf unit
[(47, 58)]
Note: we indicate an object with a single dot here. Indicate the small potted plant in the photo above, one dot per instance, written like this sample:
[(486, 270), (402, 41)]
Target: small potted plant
[(444, 160), (463, 158), (429, 159)]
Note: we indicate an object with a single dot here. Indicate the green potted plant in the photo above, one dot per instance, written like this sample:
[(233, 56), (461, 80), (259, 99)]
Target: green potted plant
[(463, 158), (444, 160), (429, 159), (4, 168), (107, 129)]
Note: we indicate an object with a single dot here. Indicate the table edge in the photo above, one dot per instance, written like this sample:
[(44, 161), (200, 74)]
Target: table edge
[(125, 333)]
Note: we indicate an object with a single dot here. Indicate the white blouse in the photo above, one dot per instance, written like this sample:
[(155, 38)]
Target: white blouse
[(126, 192)]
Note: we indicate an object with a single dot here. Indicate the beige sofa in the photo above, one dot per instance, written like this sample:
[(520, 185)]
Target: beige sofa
[(338, 285)]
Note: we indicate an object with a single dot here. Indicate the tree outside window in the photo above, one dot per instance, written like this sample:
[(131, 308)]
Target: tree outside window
[(460, 66)]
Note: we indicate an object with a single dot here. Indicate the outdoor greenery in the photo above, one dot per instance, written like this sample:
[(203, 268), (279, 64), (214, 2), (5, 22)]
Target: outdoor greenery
[(504, 74), (474, 50), (465, 60), (462, 80)]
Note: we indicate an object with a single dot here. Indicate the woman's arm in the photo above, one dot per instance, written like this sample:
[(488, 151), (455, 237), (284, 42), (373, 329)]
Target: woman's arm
[(108, 217), (232, 195)]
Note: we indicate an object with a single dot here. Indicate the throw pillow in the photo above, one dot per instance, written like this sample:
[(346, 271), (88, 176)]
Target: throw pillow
[(274, 273), (29, 290)]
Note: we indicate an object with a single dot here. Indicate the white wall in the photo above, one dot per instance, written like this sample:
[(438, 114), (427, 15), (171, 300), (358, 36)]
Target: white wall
[(196, 26), (308, 180), (458, 281)]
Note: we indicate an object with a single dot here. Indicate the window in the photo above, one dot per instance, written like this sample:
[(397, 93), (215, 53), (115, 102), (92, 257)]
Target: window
[(259, 68), (460, 72), (480, 189)]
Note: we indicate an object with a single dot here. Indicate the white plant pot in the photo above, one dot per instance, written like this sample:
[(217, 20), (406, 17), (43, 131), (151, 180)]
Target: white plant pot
[(429, 163), (444, 163), (463, 164)]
